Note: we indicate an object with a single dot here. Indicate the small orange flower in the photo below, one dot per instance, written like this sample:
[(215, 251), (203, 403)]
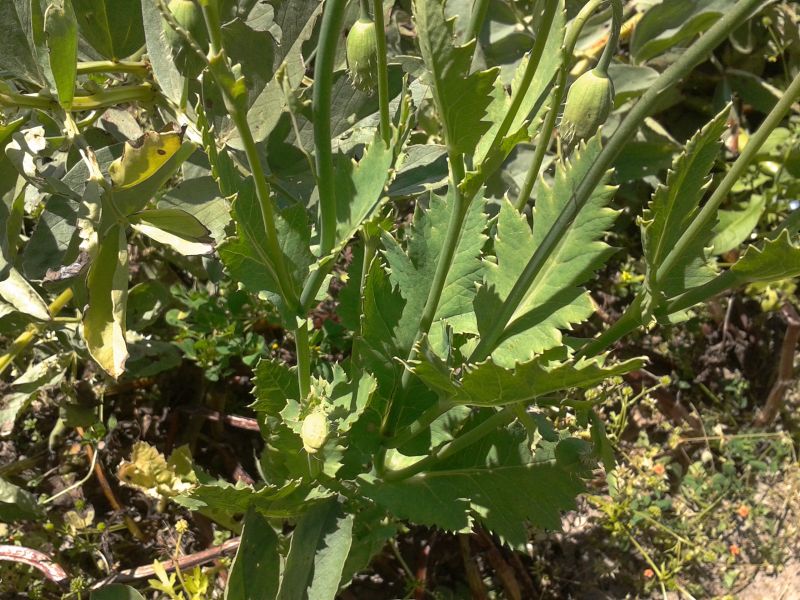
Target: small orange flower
[(648, 573), (659, 469), (735, 550), (743, 511)]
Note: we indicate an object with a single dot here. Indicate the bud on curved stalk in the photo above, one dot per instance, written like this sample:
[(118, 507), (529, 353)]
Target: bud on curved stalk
[(189, 16), (589, 102), (362, 54), (590, 98), (314, 431)]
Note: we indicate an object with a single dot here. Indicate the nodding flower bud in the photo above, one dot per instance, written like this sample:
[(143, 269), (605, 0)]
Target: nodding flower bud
[(362, 54), (189, 16), (589, 102), (314, 431)]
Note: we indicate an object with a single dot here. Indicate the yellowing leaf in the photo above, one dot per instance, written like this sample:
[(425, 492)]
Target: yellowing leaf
[(104, 320), (149, 472), (143, 157)]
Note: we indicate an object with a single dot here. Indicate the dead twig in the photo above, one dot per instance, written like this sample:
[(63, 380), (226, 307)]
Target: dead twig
[(37, 560), (474, 579), (183, 563), (785, 373), (504, 571)]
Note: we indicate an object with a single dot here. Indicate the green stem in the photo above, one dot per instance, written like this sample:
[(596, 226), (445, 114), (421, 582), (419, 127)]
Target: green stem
[(626, 130), (421, 424), (383, 72), (630, 320), (303, 359), (476, 19), (549, 125), (613, 38), (110, 97), (491, 424), (709, 212), (235, 103), (716, 286), (141, 69), (527, 77), (324, 65)]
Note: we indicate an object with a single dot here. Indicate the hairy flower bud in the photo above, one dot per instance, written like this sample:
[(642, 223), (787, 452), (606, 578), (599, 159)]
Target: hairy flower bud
[(189, 16), (589, 102), (314, 431), (362, 54)]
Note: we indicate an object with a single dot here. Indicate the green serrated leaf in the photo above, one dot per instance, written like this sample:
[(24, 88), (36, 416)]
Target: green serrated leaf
[(104, 320), (497, 483), (555, 299), (777, 259), (461, 97), (491, 384), (247, 256), (673, 208)]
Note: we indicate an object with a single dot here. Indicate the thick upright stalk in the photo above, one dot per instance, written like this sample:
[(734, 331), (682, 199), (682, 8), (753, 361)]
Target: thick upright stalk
[(627, 128), (303, 352), (324, 65), (709, 210), (383, 72), (549, 125)]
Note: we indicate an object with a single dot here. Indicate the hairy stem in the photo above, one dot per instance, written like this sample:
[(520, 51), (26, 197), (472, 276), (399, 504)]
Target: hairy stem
[(383, 72), (303, 352), (138, 68), (109, 97), (332, 20), (627, 128), (497, 420)]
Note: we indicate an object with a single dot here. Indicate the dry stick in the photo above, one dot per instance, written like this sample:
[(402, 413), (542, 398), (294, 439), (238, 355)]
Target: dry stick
[(185, 562), (504, 571), (785, 368), (37, 560), (474, 579), (132, 526)]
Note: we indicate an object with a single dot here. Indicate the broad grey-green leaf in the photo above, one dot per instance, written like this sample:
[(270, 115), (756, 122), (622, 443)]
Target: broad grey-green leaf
[(317, 554), (116, 591), (673, 208), (16, 504), (672, 22), (555, 299), (20, 294), (175, 228), (247, 257), (159, 53), (255, 571), (61, 33), (40, 376), (461, 97), (113, 27), (200, 197), (104, 320), (734, 226), (17, 48)]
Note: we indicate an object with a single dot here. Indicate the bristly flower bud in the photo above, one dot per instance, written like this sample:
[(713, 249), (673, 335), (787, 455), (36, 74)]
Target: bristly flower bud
[(314, 431), (589, 102), (362, 55)]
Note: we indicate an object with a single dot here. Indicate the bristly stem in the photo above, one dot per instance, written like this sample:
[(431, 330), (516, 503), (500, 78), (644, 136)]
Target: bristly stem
[(613, 38), (521, 91), (549, 125), (303, 352), (709, 210), (383, 72), (627, 128), (324, 65)]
